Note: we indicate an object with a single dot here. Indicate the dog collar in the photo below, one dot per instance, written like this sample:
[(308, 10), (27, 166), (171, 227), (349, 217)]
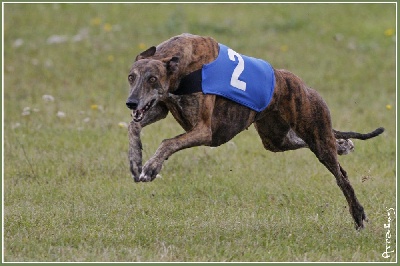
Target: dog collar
[(190, 83)]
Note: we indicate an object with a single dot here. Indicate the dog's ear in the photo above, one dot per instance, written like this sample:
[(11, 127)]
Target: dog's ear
[(172, 64), (149, 52)]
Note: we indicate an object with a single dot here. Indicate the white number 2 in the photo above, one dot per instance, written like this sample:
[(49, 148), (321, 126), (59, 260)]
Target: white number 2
[(235, 82)]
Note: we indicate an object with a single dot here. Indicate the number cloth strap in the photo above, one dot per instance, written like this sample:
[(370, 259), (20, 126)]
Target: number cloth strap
[(246, 80)]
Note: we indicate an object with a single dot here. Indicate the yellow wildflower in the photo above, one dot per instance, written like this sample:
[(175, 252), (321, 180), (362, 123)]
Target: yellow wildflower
[(389, 32), (142, 46), (107, 27), (123, 124), (389, 107), (95, 21)]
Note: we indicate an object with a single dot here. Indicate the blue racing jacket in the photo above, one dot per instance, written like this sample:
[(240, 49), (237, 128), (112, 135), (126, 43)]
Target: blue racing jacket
[(246, 80)]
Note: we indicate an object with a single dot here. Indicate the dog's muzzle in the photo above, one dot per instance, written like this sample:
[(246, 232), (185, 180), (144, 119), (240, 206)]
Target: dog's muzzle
[(138, 114)]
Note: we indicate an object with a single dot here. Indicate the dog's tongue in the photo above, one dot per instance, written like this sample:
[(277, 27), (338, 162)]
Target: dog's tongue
[(138, 115)]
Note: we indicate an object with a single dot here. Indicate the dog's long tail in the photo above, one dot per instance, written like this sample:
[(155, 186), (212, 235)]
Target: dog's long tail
[(356, 135)]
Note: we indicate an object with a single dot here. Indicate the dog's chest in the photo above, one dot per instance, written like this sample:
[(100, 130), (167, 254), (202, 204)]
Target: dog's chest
[(184, 109)]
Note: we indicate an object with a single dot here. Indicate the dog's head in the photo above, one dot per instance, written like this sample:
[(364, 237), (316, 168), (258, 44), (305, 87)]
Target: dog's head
[(149, 81)]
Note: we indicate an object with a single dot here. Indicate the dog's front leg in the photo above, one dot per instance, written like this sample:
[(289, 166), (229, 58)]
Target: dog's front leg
[(135, 150), (200, 135), (158, 112)]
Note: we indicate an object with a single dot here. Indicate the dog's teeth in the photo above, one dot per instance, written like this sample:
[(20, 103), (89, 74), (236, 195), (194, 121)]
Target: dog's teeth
[(147, 107), (138, 115)]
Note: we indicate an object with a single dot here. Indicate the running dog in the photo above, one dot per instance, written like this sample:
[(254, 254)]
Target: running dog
[(184, 74)]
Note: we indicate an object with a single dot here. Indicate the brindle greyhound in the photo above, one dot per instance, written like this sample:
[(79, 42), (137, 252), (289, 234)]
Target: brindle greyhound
[(296, 117)]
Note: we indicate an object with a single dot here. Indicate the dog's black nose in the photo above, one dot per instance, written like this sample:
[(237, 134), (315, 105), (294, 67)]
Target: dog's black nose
[(131, 104)]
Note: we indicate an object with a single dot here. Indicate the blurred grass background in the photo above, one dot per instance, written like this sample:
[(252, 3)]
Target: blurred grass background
[(68, 194)]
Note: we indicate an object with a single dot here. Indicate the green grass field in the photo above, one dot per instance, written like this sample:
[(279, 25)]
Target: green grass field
[(68, 193)]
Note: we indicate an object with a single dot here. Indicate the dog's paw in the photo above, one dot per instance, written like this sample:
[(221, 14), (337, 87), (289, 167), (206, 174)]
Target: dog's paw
[(359, 218), (344, 146), (150, 171)]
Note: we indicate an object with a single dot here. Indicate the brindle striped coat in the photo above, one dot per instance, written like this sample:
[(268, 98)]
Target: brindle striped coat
[(297, 116)]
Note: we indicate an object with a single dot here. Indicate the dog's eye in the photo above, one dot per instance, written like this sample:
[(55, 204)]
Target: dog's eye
[(152, 79), (131, 78)]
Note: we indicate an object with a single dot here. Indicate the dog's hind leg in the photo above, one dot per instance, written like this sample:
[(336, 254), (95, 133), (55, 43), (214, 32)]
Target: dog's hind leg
[(325, 151), (277, 136), (319, 136)]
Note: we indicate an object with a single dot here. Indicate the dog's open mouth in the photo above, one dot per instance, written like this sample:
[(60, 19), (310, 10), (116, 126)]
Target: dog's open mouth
[(138, 115)]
